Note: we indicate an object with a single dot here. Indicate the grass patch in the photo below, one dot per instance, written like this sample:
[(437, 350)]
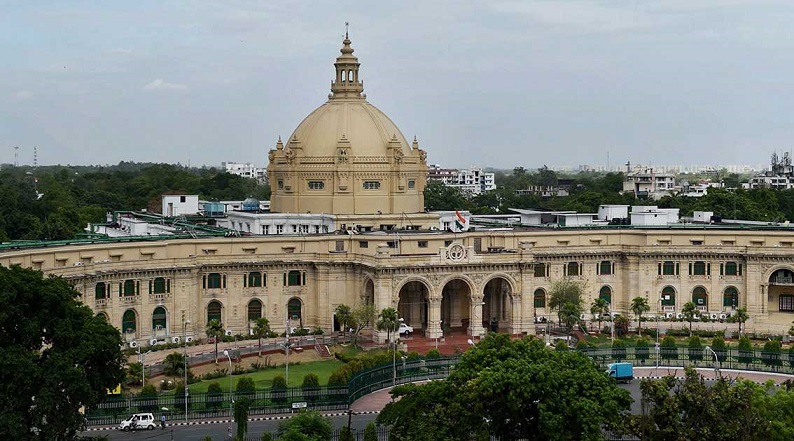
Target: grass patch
[(263, 378)]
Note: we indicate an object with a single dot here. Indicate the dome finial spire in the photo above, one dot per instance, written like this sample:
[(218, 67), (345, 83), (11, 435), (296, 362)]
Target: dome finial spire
[(346, 84), (347, 25)]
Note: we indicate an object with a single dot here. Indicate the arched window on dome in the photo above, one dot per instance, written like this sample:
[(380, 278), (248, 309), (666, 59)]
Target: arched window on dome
[(350, 76)]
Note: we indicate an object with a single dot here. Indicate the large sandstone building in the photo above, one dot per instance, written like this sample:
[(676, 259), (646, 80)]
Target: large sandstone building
[(349, 159)]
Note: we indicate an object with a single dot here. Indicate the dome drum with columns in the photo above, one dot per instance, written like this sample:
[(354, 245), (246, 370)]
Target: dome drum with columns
[(347, 157)]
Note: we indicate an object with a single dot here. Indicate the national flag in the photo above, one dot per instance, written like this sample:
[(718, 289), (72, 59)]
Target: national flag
[(460, 221)]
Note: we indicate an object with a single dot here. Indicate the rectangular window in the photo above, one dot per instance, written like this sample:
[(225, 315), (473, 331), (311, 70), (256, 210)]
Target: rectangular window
[(363, 244), (422, 244), (371, 185), (605, 268), (294, 278), (182, 199), (477, 245), (411, 184), (280, 184), (279, 229), (340, 245), (540, 270), (316, 185), (667, 268), (392, 244), (787, 302), (447, 243)]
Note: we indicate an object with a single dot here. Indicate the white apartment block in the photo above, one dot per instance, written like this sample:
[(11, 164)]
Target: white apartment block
[(472, 180), (247, 170)]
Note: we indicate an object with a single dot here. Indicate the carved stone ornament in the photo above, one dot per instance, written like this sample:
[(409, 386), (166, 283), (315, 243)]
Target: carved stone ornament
[(456, 252)]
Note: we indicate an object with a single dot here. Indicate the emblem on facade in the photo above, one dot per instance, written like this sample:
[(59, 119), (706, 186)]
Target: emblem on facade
[(456, 252)]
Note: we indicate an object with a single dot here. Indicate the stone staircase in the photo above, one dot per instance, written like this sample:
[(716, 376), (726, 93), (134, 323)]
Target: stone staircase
[(323, 351)]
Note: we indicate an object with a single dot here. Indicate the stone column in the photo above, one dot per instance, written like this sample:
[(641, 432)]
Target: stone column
[(434, 318), (517, 324), (475, 321)]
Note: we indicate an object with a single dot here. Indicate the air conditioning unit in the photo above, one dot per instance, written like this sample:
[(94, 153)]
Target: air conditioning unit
[(670, 315), (158, 328), (679, 316), (581, 317), (713, 316), (133, 344), (229, 333), (175, 340), (189, 339), (153, 342), (723, 316)]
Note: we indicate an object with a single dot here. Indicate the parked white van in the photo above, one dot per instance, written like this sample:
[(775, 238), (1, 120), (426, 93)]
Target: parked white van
[(138, 421)]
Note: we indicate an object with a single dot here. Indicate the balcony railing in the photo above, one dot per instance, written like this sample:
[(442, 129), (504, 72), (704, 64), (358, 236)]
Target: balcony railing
[(781, 280), (159, 297)]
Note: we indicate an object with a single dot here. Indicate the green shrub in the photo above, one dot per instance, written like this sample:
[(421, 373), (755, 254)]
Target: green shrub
[(238, 370), (695, 348), (433, 354), (266, 437), (167, 385), (561, 345), (217, 373), (245, 384), (370, 432), (310, 386), (641, 349), (718, 344), (346, 434), (669, 351), (771, 353), (214, 397), (618, 350), (745, 350), (278, 388)]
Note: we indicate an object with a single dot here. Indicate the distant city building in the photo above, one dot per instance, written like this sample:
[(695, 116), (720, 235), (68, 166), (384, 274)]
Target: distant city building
[(780, 175), (647, 182), (180, 205), (472, 180), (246, 170)]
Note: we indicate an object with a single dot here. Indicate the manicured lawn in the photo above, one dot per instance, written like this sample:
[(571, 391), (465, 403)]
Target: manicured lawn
[(263, 378)]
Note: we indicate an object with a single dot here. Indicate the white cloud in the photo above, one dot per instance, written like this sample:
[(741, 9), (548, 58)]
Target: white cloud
[(160, 84)]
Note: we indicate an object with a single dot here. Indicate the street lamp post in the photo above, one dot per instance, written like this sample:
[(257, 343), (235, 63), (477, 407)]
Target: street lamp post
[(184, 338), (612, 325), (231, 400), (142, 360), (716, 360)]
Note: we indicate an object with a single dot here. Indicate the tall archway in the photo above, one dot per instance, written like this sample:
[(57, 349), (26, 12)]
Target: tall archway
[(700, 298), (730, 298), (780, 294), (497, 305), (129, 322), (214, 309), (668, 299), (254, 310), (159, 319), (412, 305), (606, 294), (456, 306), (295, 312), (368, 297)]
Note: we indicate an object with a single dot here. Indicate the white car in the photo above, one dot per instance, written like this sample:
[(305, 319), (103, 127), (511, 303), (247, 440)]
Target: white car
[(138, 421), (405, 329)]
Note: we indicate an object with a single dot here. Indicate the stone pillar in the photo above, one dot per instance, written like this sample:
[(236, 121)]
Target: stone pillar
[(434, 318), (517, 323), (475, 321)]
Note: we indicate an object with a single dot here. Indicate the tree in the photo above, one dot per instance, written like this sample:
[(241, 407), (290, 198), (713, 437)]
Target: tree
[(621, 324), (215, 331), (344, 317), (362, 316), (689, 311), (598, 308), (134, 373), (388, 321), (639, 306), (241, 406), (278, 387), (740, 317), (214, 397), (511, 389), (310, 423), (566, 291), (55, 357), (261, 329), (370, 432), (570, 314), (174, 364)]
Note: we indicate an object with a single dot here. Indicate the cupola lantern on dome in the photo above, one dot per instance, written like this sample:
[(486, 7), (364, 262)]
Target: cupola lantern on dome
[(346, 84)]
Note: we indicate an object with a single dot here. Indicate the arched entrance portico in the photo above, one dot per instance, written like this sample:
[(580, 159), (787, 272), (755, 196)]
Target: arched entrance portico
[(780, 294), (456, 307), (412, 305), (497, 308)]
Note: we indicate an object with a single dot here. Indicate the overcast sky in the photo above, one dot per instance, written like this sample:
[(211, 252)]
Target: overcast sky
[(494, 84)]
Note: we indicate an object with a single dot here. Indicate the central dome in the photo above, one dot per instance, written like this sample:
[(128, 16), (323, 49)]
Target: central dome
[(368, 130), (347, 157)]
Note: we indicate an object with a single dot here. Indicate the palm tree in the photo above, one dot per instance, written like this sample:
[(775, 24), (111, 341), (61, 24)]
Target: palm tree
[(599, 308), (344, 315), (388, 321), (639, 305), (215, 330), (261, 329), (689, 309), (174, 364), (741, 316)]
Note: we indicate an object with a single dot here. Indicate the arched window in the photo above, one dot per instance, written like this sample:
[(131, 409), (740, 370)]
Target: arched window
[(254, 310), (160, 286), (214, 311), (100, 292), (606, 294), (668, 296), (730, 297), (128, 321), (540, 298), (103, 316), (158, 318), (699, 296), (294, 309)]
